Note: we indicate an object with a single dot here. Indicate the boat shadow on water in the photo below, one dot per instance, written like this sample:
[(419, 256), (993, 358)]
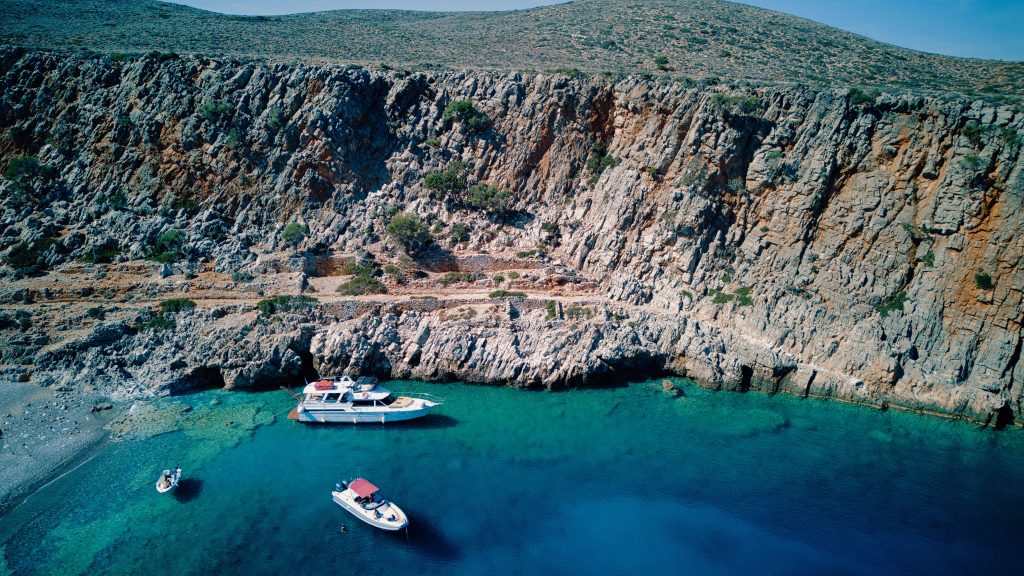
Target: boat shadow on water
[(426, 539), (188, 489), (427, 422)]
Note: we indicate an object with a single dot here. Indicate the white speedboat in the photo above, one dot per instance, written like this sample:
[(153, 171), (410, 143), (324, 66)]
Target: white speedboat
[(344, 400), (364, 501), (168, 480)]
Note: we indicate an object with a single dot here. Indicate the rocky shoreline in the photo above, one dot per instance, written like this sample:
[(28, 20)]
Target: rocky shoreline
[(175, 223)]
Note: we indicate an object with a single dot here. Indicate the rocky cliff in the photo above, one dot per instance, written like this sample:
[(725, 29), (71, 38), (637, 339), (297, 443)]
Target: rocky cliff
[(829, 243)]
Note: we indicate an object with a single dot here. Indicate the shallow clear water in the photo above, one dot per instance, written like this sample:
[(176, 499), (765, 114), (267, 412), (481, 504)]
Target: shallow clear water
[(500, 481)]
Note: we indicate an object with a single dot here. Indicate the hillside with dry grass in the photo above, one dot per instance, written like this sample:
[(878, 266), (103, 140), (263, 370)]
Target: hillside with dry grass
[(696, 41)]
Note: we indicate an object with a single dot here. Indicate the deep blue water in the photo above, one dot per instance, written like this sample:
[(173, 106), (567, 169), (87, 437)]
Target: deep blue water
[(500, 481)]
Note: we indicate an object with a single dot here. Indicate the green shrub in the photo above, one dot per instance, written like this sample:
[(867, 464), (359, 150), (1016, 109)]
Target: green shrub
[(741, 104), (576, 312), (686, 294), (498, 278), (774, 156), (361, 285), (175, 305), (20, 169), (407, 229), (599, 161), (721, 297), (507, 294), (96, 313), (242, 277), (275, 117), (662, 63), (433, 142), (861, 97), (27, 257), (234, 138), (293, 234), (513, 275), (972, 131), (456, 277), (358, 268), (983, 281), (214, 109), (187, 205), (459, 233), (271, 306), (156, 323), (393, 271), (891, 303), (1009, 136), (743, 296), (552, 310), (450, 181), (929, 259), (489, 198), (103, 254), (916, 233), (467, 113), (972, 163), (526, 254), (115, 201), (164, 318), (168, 247)]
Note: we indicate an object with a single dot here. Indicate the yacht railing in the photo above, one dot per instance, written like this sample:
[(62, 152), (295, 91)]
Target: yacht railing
[(425, 396)]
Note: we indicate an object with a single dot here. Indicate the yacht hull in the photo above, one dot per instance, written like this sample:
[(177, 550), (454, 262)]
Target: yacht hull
[(320, 416)]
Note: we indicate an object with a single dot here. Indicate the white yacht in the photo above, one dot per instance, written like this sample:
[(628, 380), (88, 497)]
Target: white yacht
[(364, 501), (344, 400)]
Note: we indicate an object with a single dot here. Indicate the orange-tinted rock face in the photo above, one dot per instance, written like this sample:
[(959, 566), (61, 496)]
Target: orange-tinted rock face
[(771, 238)]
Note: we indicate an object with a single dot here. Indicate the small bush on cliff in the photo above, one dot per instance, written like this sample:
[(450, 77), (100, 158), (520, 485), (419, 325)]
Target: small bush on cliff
[(362, 284), (164, 318), (103, 254), (599, 160), (459, 233), (972, 131), (972, 163), (275, 117), (213, 110), (891, 303), (27, 257), (861, 97), (983, 281), (22, 168), (407, 229), (452, 180), (507, 294), (271, 306), (175, 305), (468, 114), (293, 234), (168, 247), (489, 198), (456, 277), (741, 104)]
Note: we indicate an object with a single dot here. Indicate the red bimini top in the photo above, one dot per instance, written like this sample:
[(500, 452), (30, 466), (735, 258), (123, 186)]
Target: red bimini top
[(362, 487), (324, 385)]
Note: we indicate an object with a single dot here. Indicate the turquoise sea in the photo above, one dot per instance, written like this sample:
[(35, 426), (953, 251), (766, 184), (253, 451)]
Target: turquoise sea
[(622, 480)]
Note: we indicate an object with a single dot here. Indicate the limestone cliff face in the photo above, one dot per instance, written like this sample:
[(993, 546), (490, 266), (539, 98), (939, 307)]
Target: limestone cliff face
[(773, 238)]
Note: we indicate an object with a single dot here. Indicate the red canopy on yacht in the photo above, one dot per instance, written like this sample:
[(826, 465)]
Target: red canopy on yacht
[(362, 487)]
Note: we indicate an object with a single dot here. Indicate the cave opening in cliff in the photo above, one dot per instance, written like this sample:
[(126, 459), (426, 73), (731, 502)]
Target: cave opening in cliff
[(1004, 417), (746, 377), (205, 378)]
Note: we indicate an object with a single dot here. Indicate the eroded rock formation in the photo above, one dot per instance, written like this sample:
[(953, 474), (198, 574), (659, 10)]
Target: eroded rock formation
[(772, 238)]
